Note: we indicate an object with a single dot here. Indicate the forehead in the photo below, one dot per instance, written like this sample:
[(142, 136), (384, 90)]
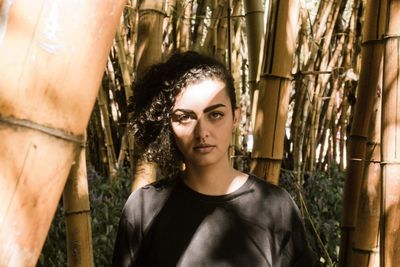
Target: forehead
[(202, 94)]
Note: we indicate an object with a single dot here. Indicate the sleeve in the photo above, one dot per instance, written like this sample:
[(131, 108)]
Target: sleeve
[(302, 254), (123, 253), (139, 212), (129, 234)]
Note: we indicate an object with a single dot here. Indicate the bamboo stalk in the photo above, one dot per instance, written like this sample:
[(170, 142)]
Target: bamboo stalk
[(209, 45), (320, 92), (222, 34), (254, 15), (390, 139), (272, 106), (123, 64), (343, 129), (371, 56), (149, 37), (303, 105), (300, 92), (365, 249), (199, 25), (133, 34), (105, 118), (45, 63), (237, 63), (184, 25), (148, 51), (323, 136), (328, 65), (102, 150), (77, 215)]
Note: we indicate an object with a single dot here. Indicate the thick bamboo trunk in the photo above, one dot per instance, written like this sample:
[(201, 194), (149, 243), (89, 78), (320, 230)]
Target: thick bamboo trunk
[(365, 249), (51, 67), (148, 52), (371, 56), (390, 239), (275, 86), (77, 215)]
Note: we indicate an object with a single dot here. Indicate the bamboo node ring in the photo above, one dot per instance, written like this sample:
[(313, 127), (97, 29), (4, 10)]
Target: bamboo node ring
[(391, 36), (162, 12), (267, 158), (366, 250), (372, 41), (58, 133), (69, 213), (253, 12), (365, 160), (276, 76), (390, 162)]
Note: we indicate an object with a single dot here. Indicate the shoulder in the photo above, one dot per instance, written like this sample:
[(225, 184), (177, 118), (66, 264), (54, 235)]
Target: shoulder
[(269, 190), (275, 200), (149, 197)]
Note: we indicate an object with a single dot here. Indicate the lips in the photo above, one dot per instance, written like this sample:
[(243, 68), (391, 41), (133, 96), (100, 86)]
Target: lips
[(203, 148)]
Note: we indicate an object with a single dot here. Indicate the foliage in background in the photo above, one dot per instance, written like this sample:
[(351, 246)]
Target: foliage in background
[(107, 197), (321, 208)]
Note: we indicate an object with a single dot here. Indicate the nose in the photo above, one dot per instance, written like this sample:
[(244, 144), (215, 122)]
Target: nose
[(201, 130)]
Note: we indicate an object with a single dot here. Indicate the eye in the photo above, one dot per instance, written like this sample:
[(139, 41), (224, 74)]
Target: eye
[(183, 117), (216, 115)]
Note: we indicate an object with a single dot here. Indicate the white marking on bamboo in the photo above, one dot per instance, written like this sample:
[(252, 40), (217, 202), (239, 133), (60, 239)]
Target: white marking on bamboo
[(4, 18), (50, 40)]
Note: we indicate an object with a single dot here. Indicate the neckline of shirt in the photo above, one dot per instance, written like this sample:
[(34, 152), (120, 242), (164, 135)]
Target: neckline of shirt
[(243, 189)]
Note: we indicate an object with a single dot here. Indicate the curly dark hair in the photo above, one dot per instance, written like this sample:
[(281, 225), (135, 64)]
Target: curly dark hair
[(154, 98)]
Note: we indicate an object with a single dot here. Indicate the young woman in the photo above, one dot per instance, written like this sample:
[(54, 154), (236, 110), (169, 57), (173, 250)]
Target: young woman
[(204, 213)]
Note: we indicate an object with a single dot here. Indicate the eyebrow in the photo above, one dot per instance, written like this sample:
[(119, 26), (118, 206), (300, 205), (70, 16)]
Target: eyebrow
[(207, 109), (187, 111)]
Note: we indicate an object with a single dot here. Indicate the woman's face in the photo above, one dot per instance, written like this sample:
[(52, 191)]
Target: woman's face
[(202, 122)]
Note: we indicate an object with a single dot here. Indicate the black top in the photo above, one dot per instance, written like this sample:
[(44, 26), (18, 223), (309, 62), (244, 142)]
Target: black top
[(169, 224)]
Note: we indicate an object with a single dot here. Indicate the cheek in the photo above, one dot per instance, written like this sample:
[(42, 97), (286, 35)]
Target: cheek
[(182, 134)]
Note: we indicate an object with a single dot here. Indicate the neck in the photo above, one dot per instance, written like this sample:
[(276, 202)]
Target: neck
[(216, 179)]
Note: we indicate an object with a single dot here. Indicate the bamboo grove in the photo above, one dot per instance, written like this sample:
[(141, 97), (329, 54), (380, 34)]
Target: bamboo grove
[(317, 81)]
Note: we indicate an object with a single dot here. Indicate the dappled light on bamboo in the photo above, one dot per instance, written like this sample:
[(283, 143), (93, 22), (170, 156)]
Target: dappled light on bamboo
[(365, 248), (390, 134), (274, 89), (368, 83)]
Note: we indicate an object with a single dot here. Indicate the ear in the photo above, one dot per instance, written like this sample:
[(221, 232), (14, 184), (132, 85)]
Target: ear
[(236, 117)]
